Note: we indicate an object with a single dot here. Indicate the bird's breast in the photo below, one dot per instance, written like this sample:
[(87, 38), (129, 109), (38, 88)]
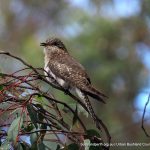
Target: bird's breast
[(60, 81)]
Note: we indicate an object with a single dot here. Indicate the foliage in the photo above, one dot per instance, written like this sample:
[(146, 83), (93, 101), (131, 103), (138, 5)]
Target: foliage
[(41, 120), (111, 46)]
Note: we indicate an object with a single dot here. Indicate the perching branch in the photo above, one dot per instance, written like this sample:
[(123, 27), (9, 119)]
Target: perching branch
[(24, 95)]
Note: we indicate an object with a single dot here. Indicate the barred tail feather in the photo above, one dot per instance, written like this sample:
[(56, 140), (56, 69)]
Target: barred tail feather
[(91, 112), (85, 99)]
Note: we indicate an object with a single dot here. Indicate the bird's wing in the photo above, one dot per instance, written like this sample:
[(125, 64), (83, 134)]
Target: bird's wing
[(68, 69)]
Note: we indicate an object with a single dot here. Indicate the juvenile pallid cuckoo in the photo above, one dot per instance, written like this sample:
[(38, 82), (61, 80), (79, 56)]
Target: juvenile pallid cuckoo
[(69, 73)]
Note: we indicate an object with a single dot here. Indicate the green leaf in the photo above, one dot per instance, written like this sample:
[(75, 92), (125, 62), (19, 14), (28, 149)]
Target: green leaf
[(33, 138), (40, 115), (32, 114), (6, 145), (24, 146), (58, 147), (92, 133), (50, 144), (43, 126), (73, 146), (95, 148), (86, 144), (75, 117), (19, 147), (1, 87), (29, 128), (65, 147), (2, 75), (39, 99), (34, 146), (82, 110), (41, 146), (13, 129)]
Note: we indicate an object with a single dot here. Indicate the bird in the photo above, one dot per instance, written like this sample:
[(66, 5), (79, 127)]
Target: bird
[(63, 68)]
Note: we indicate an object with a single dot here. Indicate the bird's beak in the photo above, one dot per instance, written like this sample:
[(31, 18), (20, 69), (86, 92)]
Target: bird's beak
[(43, 44)]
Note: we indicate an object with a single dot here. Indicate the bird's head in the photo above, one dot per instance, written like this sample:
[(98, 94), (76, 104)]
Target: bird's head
[(53, 42)]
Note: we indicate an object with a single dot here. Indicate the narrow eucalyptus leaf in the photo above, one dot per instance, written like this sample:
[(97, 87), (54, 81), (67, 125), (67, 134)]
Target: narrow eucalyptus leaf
[(13, 129), (32, 114)]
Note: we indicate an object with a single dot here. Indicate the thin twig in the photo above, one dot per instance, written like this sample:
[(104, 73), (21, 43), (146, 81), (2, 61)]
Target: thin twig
[(143, 116), (17, 82)]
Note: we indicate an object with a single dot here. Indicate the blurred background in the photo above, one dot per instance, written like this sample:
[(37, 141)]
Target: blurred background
[(111, 38)]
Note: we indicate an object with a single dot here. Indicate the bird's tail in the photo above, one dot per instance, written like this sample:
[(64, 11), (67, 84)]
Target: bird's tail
[(91, 112), (93, 92)]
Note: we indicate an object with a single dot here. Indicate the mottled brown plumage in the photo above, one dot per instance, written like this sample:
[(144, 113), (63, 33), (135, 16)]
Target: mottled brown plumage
[(65, 68), (69, 74)]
